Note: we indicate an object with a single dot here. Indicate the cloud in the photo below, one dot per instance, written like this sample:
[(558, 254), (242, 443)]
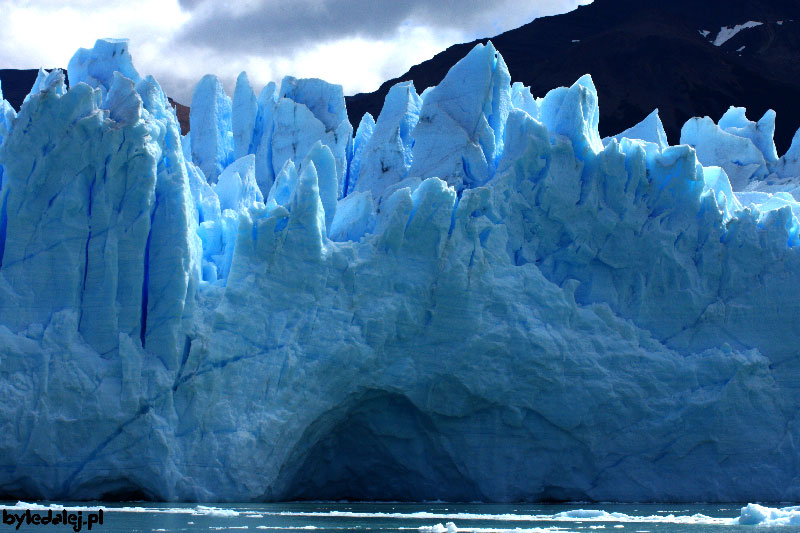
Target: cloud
[(356, 43), (276, 26), (46, 33)]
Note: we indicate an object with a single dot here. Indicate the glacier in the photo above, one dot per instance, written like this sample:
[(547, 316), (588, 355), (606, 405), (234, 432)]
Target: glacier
[(473, 298)]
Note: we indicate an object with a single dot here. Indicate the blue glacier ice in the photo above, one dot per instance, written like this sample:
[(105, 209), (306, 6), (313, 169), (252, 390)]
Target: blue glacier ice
[(460, 132), (42, 82), (387, 155), (650, 129), (754, 514), (261, 142), (746, 151), (308, 111), (96, 66), (212, 138), (521, 98), (7, 116), (476, 298), (742, 160), (244, 113), (363, 134)]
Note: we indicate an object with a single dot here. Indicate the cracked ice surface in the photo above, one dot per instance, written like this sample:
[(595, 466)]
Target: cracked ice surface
[(475, 299)]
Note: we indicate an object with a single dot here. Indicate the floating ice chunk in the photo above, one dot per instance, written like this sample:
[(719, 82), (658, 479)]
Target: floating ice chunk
[(387, 156), (211, 129), (438, 528), (96, 66), (237, 188), (753, 514), (450, 527), (584, 513), (650, 129), (726, 33)]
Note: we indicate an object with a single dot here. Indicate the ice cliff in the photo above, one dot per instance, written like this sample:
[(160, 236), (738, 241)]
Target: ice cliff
[(474, 298)]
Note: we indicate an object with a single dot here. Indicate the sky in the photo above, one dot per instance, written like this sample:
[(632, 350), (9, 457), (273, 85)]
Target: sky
[(356, 43)]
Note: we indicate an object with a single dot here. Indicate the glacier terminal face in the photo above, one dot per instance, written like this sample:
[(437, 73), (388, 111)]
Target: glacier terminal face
[(474, 298)]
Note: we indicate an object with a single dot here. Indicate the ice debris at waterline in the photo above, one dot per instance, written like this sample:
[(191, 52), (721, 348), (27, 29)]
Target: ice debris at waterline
[(475, 298), (751, 514)]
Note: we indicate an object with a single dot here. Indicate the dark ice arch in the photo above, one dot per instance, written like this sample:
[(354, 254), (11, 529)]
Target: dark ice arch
[(376, 445)]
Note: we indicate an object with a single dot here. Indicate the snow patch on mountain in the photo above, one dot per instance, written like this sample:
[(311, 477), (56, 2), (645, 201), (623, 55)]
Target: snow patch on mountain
[(726, 33)]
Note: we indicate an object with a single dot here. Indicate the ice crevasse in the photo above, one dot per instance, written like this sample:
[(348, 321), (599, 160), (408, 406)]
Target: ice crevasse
[(471, 297)]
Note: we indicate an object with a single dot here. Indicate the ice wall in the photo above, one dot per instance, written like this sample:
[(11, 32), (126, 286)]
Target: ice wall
[(475, 299), (212, 138)]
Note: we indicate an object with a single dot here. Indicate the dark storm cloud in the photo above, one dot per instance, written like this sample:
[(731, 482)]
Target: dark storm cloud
[(271, 26)]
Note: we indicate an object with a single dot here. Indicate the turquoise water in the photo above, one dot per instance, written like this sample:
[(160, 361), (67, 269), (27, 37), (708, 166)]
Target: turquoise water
[(321, 517)]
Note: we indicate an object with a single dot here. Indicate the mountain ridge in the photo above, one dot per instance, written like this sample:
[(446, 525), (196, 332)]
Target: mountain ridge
[(646, 57)]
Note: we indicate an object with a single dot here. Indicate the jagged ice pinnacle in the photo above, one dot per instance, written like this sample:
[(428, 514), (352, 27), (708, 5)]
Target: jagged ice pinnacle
[(474, 298)]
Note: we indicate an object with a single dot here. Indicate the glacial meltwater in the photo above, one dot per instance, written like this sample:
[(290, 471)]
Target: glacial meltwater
[(425, 517)]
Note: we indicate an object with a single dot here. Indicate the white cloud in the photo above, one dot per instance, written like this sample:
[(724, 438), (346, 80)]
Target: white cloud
[(361, 65), (47, 33)]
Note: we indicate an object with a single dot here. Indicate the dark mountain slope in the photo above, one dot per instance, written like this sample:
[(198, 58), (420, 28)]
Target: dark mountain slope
[(644, 55), (16, 84)]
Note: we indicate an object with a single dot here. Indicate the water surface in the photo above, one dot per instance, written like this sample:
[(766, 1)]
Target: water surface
[(375, 517)]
